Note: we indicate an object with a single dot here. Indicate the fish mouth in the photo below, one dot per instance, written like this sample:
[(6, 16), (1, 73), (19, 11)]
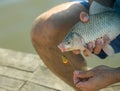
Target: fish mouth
[(64, 49), (61, 47)]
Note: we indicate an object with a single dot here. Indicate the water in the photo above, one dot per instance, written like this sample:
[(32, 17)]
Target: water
[(16, 17)]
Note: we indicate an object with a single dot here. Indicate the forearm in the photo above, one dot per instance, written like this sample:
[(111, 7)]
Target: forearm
[(117, 73)]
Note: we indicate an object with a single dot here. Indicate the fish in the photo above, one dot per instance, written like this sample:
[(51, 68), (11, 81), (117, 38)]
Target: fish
[(105, 22)]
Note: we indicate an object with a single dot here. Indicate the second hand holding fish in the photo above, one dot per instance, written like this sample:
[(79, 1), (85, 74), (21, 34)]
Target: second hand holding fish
[(94, 47)]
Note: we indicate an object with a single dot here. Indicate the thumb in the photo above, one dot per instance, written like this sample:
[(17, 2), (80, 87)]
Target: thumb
[(84, 17)]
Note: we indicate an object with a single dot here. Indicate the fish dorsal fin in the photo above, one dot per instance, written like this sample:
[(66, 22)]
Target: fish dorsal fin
[(96, 8)]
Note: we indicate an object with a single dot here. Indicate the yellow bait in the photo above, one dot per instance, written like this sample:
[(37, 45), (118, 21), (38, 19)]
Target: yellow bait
[(64, 59)]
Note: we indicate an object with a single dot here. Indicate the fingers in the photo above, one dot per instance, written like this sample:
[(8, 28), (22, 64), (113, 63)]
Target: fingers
[(90, 46), (86, 52), (89, 49), (98, 78), (98, 46), (100, 43), (82, 79), (76, 51), (81, 85), (86, 86), (75, 77), (106, 40), (83, 74), (84, 17)]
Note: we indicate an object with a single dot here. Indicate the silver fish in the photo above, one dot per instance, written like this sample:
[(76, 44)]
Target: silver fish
[(105, 23)]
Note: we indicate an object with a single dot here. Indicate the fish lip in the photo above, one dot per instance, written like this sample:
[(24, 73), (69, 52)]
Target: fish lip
[(61, 47)]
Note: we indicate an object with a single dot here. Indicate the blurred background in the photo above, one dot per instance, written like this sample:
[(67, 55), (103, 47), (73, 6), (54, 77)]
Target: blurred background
[(16, 18)]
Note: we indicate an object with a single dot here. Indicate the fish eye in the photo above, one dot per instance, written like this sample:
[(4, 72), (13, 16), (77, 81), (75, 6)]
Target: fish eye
[(68, 42)]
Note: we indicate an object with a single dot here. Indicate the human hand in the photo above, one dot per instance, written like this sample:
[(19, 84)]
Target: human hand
[(96, 47), (94, 79)]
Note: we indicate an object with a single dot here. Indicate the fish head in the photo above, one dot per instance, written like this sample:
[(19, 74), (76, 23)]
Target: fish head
[(72, 41)]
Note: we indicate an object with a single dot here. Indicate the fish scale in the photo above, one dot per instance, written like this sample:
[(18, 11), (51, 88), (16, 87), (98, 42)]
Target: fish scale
[(96, 27)]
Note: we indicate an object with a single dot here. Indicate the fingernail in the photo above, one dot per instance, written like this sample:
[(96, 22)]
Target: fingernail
[(98, 42), (76, 81), (85, 17), (90, 45)]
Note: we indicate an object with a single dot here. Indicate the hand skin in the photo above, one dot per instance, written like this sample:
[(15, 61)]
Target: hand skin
[(100, 43), (94, 47), (96, 78)]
